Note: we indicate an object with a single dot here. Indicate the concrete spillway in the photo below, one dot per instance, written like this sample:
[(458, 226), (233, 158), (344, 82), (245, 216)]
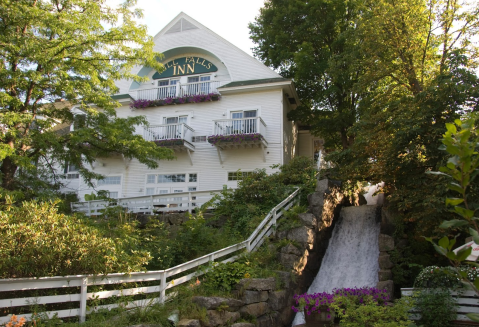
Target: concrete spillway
[(351, 259)]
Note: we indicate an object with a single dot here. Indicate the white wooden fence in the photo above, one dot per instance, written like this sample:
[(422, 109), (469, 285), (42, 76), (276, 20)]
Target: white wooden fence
[(184, 201), (468, 302), (166, 279)]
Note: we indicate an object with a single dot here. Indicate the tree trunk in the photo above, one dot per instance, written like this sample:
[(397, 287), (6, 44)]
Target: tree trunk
[(8, 170)]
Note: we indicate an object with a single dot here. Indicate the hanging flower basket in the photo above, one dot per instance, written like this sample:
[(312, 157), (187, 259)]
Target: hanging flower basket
[(170, 142), (235, 138), (143, 103)]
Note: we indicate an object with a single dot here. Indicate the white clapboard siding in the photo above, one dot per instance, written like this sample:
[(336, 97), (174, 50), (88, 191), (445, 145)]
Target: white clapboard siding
[(166, 279), (468, 302)]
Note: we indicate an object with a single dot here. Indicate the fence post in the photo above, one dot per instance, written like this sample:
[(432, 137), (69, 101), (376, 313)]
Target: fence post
[(151, 204), (163, 287), (190, 204), (89, 210), (83, 298), (248, 245)]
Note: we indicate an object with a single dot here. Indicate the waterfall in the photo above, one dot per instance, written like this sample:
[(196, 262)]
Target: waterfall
[(351, 259)]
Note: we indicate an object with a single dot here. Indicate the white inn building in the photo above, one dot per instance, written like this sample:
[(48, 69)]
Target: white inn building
[(218, 108)]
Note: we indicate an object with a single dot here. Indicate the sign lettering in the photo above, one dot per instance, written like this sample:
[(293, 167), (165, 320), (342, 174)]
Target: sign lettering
[(186, 66)]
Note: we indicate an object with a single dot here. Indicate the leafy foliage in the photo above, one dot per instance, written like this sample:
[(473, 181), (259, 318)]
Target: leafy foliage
[(37, 241), (223, 276), (436, 306), (71, 50)]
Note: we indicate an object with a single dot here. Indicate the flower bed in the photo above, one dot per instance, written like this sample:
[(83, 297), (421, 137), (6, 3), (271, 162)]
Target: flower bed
[(236, 138), (143, 103), (170, 142)]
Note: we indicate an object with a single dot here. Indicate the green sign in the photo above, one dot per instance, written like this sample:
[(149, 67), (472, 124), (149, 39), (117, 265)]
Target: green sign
[(186, 66)]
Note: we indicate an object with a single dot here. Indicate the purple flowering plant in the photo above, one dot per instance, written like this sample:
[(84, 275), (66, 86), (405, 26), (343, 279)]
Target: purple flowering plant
[(234, 138), (339, 298), (170, 142), (143, 103)]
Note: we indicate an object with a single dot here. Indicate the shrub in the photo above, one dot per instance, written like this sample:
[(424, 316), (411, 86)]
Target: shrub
[(35, 241), (223, 276), (437, 277), (436, 306)]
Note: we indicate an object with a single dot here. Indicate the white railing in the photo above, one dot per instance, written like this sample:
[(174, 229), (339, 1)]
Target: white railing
[(239, 126), (148, 204), (166, 279), (168, 132), (468, 302), (178, 90)]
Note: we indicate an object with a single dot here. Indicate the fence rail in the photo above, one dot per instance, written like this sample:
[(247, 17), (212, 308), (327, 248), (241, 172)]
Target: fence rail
[(468, 302), (148, 204), (167, 279)]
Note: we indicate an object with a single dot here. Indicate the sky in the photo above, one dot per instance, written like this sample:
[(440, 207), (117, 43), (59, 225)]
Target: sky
[(227, 18)]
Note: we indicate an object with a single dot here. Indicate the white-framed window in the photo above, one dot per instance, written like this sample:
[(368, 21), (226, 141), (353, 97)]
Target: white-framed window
[(71, 172), (167, 88), (110, 180), (171, 178), (150, 179), (150, 191), (192, 178), (113, 195), (198, 139), (198, 87), (176, 119), (244, 121), (238, 175)]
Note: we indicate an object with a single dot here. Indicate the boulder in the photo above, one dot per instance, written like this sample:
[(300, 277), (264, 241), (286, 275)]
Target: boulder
[(288, 261), (308, 220), (211, 303), (243, 324), (384, 261), (257, 284), (302, 235), (215, 318), (291, 249), (278, 300), (254, 296), (317, 211), (386, 243), (269, 320), (388, 285), (189, 323), (316, 199), (323, 185), (384, 275), (254, 309), (285, 279)]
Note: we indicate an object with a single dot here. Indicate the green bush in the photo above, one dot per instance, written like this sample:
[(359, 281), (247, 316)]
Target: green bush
[(36, 241), (436, 306), (223, 276), (437, 277)]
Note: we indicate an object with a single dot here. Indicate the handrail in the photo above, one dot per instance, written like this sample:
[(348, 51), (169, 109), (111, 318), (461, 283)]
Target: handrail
[(264, 229)]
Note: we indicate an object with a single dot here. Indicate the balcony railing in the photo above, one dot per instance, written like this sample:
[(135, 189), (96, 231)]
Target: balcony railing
[(178, 90), (239, 126), (168, 134)]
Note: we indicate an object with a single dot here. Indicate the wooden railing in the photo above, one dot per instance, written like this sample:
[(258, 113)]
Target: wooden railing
[(148, 204), (251, 125), (468, 302), (178, 90), (168, 132), (166, 279)]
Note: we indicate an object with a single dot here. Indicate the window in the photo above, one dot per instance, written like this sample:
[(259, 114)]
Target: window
[(113, 195), (167, 88), (244, 122), (150, 179), (198, 87), (176, 120), (193, 178), (71, 171), (110, 180), (150, 191), (176, 178), (238, 175), (198, 139)]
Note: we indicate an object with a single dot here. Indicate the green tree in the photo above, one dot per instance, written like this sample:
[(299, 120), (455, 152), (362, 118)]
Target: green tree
[(72, 50), (314, 42)]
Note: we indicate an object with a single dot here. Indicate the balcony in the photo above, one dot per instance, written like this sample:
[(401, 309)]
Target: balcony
[(179, 90), (239, 133), (174, 136)]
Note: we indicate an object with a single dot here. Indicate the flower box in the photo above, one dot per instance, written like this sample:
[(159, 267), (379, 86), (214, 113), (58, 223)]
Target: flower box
[(143, 103), (235, 138), (170, 142)]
